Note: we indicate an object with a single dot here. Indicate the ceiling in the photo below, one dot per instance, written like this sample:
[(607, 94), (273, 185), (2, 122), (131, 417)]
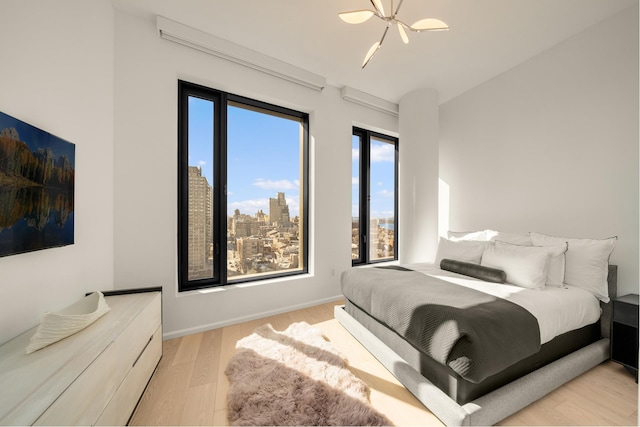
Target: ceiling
[(486, 37)]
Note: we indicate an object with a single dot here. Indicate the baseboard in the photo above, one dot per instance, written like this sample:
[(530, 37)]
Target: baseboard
[(227, 322)]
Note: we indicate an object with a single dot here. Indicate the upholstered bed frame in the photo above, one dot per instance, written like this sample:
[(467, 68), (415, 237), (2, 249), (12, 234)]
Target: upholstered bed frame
[(500, 403)]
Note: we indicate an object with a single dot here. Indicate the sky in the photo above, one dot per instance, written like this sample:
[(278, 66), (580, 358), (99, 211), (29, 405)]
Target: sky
[(381, 177), (263, 156), (264, 159)]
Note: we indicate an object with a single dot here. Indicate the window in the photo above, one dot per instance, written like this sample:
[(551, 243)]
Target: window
[(374, 224), (243, 189)]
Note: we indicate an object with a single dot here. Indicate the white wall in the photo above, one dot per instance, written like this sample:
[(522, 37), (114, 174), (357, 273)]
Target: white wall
[(147, 69), (552, 145), (418, 176), (57, 74)]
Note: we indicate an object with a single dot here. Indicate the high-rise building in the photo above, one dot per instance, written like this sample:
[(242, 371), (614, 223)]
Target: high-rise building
[(248, 247), (279, 211), (200, 225), (261, 216), (242, 225)]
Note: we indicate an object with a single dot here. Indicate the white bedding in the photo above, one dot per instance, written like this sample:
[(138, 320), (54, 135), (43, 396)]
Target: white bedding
[(557, 309)]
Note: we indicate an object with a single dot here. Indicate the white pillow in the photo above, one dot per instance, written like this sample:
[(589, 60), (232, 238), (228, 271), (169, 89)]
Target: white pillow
[(464, 250), (587, 262), (515, 239), (525, 266), (557, 264), (485, 235), (468, 235)]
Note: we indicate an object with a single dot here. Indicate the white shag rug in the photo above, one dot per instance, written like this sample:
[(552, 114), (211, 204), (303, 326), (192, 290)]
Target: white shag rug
[(295, 377)]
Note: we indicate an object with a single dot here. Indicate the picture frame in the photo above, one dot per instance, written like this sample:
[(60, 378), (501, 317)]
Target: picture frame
[(37, 185)]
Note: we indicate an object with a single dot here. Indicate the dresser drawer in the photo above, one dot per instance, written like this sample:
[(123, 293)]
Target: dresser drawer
[(119, 410), (87, 397)]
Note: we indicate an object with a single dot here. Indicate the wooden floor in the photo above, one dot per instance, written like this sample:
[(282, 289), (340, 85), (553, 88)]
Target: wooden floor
[(189, 386)]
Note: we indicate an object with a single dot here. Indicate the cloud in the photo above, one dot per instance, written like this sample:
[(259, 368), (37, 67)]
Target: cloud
[(382, 153), (355, 180), (249, 207), (379, 152), (202, 163), (385, 193), (283, 184)]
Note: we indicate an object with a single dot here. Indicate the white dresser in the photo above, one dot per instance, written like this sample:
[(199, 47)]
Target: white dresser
[(94, 377)]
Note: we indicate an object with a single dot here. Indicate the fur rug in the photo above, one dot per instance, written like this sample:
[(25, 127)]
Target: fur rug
[(295, 377)]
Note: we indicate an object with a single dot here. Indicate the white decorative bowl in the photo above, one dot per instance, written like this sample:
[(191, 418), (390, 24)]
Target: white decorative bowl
[(61, 324)]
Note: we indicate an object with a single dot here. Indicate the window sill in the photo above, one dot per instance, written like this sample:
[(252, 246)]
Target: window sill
[(232, 286), (377, 264)]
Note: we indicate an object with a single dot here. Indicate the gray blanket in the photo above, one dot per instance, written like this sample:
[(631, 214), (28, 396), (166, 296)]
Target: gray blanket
[(475, 334)]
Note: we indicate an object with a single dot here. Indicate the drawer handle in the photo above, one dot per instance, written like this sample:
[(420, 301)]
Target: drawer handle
[(142, 352)]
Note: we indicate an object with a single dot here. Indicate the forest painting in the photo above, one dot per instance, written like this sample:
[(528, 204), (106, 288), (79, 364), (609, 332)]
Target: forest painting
[(37, 174)]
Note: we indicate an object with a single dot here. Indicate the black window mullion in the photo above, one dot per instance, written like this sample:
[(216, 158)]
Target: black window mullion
[(185, 91), (365, 197), (395, 201), (183, 183), (220, 191), (365, 137), (306, 203), (363, 178)]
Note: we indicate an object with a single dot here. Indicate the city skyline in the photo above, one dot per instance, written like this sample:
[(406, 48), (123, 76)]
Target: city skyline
[(255, 244)]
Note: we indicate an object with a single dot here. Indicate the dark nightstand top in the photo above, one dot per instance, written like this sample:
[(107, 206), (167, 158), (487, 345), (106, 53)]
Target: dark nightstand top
[(628, 299)]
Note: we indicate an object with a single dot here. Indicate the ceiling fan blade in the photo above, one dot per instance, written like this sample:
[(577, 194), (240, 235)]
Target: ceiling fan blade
[(356, 16), (374, 48), (377, 4), (403, 33), (429, 24)]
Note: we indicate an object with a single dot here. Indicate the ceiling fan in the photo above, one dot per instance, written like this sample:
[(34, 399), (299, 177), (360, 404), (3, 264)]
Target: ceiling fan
[(360, 16)]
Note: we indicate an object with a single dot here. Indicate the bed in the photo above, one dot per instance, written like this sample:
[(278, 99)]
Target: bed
[(491, 326)]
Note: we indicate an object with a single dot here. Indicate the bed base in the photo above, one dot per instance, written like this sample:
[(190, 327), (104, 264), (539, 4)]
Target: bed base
[(492, 407)]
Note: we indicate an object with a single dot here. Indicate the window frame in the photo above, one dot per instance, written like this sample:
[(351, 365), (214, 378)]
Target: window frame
[(221, 101), (364, 188)]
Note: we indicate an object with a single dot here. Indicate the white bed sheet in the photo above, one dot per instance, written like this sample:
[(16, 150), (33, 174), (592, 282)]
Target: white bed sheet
[(557, 309)]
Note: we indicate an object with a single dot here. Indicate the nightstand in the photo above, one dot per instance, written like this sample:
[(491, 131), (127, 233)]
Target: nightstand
[(624, 332)]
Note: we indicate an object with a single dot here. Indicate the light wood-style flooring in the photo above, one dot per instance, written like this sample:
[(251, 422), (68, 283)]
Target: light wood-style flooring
[(189, 386)]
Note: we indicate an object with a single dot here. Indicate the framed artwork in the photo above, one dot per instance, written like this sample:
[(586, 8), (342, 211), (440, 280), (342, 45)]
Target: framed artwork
[(37, 175)]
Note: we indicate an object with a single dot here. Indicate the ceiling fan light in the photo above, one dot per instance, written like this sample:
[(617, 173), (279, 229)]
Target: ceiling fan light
[(357, 16), (403, 33), (372, 50), (429, 24), (378, 5)]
